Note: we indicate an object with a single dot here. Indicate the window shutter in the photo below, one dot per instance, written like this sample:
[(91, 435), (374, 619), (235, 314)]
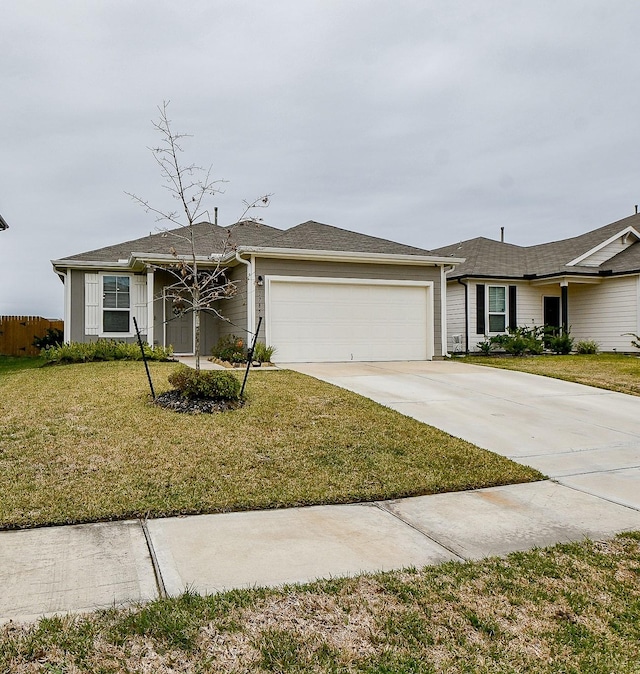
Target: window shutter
[(140, 302), (480, 310), (513, 311), (91, 304)]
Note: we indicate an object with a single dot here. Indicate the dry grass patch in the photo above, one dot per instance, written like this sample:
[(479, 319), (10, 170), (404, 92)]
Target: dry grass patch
[(82, 443), (570, 608), (605, 370)]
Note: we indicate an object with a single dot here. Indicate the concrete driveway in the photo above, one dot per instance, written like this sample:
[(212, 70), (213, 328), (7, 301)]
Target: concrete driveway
[(582, 437)]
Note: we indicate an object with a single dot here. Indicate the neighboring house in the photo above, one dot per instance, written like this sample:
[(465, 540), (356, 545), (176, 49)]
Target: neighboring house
[(3, 224), (588, 283), (325, 294)]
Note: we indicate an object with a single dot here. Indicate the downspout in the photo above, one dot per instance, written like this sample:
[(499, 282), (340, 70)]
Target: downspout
[(65, 276), (466, 315), (443, 311), (251, 291)]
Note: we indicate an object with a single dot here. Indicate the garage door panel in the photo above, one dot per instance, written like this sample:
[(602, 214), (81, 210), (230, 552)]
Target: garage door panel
[(342, 321)]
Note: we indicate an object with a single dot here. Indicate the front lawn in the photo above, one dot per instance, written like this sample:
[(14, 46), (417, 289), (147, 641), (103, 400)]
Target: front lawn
[(82, 443), (615, 372), (571, 608)]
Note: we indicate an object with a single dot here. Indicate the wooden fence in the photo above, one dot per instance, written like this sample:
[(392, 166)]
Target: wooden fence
[(18, 332)]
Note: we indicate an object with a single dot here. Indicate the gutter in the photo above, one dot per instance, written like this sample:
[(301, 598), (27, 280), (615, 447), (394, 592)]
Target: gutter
[(251, 291), (344, 256)]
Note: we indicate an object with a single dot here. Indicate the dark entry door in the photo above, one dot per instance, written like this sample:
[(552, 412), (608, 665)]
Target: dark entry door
[(552, 312), (179, 329)]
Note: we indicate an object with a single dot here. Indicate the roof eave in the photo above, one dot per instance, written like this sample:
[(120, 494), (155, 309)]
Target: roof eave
[(345, 256)]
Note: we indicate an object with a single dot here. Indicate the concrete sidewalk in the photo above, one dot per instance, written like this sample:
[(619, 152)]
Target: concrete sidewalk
[(587, 439), (82, 567)]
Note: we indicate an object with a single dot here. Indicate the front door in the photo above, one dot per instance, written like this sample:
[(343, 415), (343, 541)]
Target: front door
[(178, 329), (552, 313)]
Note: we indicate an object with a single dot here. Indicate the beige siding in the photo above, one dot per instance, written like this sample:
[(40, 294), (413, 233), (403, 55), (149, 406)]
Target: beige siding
[(455, 314), (234, 309), (604, 312), (265, 267)]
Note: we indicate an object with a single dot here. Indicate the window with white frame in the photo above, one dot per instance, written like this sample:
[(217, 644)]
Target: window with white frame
[(497, 308), (116, 304)]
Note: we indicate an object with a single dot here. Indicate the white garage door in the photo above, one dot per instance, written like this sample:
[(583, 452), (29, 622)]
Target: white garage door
[(325, 320)]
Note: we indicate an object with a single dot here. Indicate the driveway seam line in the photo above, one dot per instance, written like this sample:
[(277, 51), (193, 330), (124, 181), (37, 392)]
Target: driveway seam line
[(381, 506), (557, 480), (162, 591)]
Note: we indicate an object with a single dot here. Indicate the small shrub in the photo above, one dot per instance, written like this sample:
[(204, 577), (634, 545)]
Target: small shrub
[(485, 346), (636, 339), (100, 350), (52, 337), (231, 349), (561, 343), (587, 347), (262, 353), (210, 385)]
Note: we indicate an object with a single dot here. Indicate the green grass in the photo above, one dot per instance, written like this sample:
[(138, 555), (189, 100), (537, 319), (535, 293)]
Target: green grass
[(614, 372), (570, 608), (9, 364), (82, 443)]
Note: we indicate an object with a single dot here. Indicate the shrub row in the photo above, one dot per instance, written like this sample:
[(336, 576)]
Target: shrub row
[(534, 340), (102, 349)]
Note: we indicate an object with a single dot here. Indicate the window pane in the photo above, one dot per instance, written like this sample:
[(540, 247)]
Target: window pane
[(496, 323), (123, 284), (109, 301), (123, 301), (497, 301), (109, 284), (116, 321)]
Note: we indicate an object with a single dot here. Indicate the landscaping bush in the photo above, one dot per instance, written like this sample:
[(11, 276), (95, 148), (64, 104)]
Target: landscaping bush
[(211, 385), (231, 349), (262, 353), (52, 337), (102, 349), (485, 346), (561, 343), (519, 341), (587, 347)]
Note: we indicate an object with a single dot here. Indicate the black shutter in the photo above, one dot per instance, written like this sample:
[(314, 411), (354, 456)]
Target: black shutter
[(480, 319), (513, 312)]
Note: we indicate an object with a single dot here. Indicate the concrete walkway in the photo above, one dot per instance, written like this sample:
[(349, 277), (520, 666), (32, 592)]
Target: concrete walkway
[(587, 439)]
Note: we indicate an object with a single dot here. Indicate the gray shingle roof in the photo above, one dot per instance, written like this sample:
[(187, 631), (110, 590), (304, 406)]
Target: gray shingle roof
[(211, 239), (488, 258)]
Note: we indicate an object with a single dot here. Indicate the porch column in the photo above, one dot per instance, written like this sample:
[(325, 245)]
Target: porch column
[(150, 299), (564, 305)]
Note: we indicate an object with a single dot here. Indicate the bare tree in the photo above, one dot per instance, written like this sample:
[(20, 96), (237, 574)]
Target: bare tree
[(198, 284)]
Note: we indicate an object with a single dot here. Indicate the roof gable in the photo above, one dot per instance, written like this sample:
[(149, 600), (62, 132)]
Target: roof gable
[(613, 248), (607, 249)]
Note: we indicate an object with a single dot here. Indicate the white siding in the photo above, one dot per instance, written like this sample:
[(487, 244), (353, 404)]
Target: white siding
[(606, 253), (604, 312), (91, 304)]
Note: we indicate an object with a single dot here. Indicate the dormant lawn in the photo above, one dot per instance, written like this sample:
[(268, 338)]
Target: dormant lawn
[(82, 443)]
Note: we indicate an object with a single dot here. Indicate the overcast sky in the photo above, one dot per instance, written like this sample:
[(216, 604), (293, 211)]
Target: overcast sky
[(420, 121)]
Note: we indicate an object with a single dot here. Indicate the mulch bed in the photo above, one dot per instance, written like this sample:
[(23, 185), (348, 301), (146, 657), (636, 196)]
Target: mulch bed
[(173, 400)]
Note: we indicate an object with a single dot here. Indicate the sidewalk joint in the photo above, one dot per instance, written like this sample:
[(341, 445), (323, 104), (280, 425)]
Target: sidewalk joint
[(162, 591), (381, 505)]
